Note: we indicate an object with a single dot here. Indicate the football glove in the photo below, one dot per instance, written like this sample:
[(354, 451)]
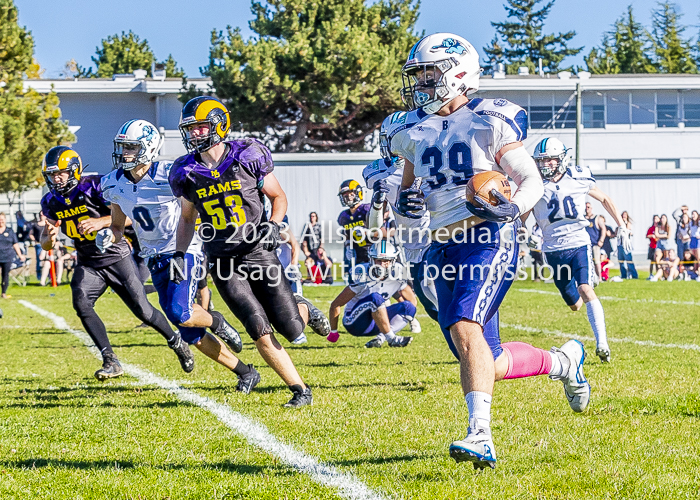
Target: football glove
[(380, 189), (505, 211), (103, 239), (410, 201), (270, 237), (177, 268)]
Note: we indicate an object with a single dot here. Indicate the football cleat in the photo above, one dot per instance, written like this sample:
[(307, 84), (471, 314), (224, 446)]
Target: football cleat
[(299, 399), (183, 353), (399, 341), (603, 353), (247, 382), (110, 368), (576, 387), (317, 320), (301, 339), (476, 448), (376, 341), (414, 325), (228, 333)]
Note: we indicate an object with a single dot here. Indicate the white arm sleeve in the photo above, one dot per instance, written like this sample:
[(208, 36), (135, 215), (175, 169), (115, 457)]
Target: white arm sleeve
[(376, 218), (520, 166)]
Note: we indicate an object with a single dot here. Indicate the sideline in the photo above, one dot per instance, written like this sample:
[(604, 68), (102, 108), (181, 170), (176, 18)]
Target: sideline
[(620, 299), (348, 485)]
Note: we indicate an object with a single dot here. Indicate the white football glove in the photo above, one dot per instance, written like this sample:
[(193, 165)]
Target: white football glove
[(625, 236), (103, 240)]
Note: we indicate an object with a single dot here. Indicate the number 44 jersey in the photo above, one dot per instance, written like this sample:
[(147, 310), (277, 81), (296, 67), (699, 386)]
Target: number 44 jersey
[(151, 206), (561, 212)]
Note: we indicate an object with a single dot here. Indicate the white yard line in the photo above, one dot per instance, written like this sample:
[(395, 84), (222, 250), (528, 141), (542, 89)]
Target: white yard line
[(621, 299), (625, 340), (348, 485)]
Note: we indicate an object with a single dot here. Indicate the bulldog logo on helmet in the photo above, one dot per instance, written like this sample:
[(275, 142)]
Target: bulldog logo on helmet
[(451, 46)]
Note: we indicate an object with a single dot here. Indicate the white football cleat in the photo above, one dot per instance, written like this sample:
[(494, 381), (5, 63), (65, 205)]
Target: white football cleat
[(301, 339), (477, 448), (576, 387), (415, 326)]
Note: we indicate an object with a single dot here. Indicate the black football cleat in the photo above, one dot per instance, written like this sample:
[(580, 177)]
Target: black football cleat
[(317, 320), (228, 333), (300, 398), (110, 368), (247, 382), (183, 353)]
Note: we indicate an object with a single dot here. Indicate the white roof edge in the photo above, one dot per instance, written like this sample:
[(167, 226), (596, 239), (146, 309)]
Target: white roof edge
[(95, 85)]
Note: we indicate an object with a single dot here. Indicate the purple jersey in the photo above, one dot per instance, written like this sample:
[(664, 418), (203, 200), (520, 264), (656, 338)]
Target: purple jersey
[(84, 201), (228, 197), (349, 220)]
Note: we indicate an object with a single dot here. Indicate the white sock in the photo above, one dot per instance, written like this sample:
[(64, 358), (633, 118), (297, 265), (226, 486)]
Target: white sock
[(596, 317), (479, 405), (388, 335), (560, 364), (382, 336), (398, 323)]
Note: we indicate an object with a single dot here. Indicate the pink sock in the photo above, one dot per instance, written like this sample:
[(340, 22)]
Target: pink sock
[(525, 360)]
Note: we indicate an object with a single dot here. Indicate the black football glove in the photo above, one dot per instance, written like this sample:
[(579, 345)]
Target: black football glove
[(270, 238), (380, 189), (177, 268), (410, 200), (504, 211)]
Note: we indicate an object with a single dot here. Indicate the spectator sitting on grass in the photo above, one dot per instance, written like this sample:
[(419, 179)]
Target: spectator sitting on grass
[(604, 265), (668, 267), (689, 267)]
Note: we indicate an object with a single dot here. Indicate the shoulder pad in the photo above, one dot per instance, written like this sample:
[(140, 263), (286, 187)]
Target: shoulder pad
[(580, 172), (504, 110), (375, 171), (403, 120)]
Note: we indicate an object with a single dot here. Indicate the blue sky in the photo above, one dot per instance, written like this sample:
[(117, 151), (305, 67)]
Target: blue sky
[(65, 30)]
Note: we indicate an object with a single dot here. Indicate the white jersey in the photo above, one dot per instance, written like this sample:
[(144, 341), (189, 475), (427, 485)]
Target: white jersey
[(151, 206), (447, 151), (561, 212), (366, 285)]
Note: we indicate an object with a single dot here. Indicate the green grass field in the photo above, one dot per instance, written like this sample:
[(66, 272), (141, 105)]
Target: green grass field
[(386, 416)]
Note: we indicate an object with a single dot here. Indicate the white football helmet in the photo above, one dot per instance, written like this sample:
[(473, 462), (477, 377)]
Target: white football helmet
[(439, 68), (136, 133), (547, 149), (383, 250)]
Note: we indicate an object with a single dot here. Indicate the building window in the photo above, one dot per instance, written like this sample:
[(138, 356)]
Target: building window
[(668, 164), (643, 107), (691, 108), (594, 116), (618, 165), (618, 108), (541, 116), (667, 108)]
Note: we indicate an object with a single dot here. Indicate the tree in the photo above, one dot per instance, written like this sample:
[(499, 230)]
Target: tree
[(624, 50), (522, 41), (30, 122), (122, 54), (674, 54), (319, 75)]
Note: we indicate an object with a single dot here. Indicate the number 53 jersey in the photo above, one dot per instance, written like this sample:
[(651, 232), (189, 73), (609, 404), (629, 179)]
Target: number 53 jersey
[(561, 212), (84, 201), (229, 197), (447, 151)]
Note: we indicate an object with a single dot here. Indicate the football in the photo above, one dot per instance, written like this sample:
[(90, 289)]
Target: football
[(483, 183)]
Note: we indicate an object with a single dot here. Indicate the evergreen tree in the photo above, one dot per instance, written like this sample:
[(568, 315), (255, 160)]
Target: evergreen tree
[(30, 122), (522, 40), (674, 54), (122, 54), (319, 75), (624, 50), (171, 69)]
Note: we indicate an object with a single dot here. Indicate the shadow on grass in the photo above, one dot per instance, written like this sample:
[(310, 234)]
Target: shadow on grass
[(379, 460), (93, 465), (78, 403)]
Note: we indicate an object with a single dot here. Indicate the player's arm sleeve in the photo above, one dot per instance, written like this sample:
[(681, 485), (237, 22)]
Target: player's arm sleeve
[(520, 166), (258, 158)]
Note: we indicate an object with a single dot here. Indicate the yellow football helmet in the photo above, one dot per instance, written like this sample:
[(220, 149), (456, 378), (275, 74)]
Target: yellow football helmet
[(204, 109), (60, 158), (350, 193)]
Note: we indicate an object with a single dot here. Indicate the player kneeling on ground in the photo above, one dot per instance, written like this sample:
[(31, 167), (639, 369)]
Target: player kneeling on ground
[(560, 213), (366, 312), (139, 187), (224, 182), (76, 205)]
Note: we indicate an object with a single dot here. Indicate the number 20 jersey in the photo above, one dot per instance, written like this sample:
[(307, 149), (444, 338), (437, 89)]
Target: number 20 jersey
[(229, 197), (84, 201), (152, 207), (447, 151), (561, 212)]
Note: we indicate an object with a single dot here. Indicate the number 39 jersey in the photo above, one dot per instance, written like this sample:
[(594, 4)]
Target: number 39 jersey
[(561, 212), (447, 151), (84, 201), (152, 207), (229, 197)]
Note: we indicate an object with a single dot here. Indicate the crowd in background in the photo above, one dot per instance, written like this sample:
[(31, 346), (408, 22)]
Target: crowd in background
[(674, 257)]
